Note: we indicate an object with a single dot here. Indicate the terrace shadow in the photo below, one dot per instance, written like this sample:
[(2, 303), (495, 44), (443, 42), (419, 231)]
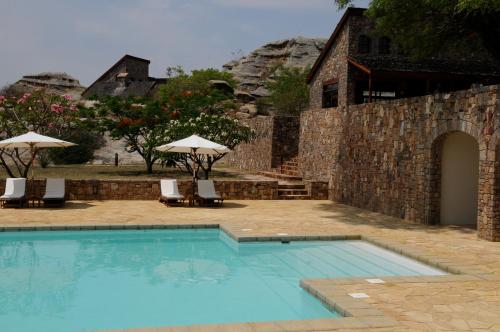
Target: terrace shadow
[(358, 217), (69, 206), (226, 205)]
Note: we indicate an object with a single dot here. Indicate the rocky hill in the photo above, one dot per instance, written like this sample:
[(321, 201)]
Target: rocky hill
[(254, 70), (59, 83)]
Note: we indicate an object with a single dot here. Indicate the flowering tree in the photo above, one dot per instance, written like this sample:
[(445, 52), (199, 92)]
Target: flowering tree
[(189, 94), (221, 129), (46, 114), (139, 122)]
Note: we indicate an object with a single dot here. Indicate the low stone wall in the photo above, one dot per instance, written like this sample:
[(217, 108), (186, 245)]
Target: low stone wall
[(150, 189), (277, 140), (318, 190), (385, 156)]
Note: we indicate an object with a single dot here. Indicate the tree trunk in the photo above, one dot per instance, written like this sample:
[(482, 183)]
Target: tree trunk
[(6, 167), (149, 166)]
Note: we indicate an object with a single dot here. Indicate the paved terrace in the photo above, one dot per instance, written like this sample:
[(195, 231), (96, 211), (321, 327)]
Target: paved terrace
[(469, 301)]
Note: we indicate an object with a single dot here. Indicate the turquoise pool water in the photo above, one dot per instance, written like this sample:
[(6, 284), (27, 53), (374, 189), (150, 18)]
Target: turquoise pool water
[(83, 281)]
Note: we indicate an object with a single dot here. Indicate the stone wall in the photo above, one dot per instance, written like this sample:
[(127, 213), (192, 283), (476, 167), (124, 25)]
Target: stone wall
[(319, 141), (150, 189), (385, 156), (285, 144), (333, 68), (256, 155), (277, 139), (318, 190)]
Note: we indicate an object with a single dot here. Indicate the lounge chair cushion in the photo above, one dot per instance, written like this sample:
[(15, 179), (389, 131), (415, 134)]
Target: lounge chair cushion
[(170, 190), (54, 189), (15, 189), (206, 190)]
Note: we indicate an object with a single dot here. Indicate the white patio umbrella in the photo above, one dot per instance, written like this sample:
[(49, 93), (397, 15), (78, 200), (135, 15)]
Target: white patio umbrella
[(195, 145), (33, 142)]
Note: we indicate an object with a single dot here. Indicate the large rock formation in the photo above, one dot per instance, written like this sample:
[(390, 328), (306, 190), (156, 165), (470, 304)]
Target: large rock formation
[(59, 83), (253, 71)]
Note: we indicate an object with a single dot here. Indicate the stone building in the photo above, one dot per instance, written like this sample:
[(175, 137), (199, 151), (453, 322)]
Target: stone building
[(415, 140), (357, 67), (128, 77)]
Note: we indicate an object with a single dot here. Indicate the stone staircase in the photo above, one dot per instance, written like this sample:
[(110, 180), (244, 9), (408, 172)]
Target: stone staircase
[(289, 171), (289, 191), (290, 185), (290, 167)]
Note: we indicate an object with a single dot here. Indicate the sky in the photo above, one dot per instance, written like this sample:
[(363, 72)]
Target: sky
[(85, 37)]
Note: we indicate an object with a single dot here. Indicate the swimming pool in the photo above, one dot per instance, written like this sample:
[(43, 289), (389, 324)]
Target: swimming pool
[(95, 280)]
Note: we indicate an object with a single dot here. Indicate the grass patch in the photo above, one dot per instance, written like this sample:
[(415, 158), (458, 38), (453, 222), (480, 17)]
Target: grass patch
[(122, 172)]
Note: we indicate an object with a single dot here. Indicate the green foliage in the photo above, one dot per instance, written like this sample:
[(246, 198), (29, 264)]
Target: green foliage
[(187, 104), (425, 28), (289, 91), (188, 95), (221, 129), (44, 113), (138, 121), (87, 142)]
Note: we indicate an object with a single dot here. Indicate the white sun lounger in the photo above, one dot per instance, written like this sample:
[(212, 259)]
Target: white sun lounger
[(207, 194), (170, 192), (54, 192), (15, 191)]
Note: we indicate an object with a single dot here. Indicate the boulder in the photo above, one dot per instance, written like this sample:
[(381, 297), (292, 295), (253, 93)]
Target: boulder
[(53, 82), (222, 85), (252, 72), (243, 96), (261, 92), (249, 109), (242, 116)]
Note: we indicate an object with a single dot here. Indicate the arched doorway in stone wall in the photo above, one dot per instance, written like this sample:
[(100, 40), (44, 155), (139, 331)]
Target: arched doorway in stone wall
[(456, 179)]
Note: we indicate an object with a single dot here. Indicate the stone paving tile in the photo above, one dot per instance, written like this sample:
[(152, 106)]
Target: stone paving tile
[(452, 303)]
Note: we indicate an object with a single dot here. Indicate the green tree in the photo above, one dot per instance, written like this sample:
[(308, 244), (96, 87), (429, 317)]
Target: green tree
[(139, 122), (41, 112), (428, 27), (198, 107), (218, 128), (87, 141), (188, 95), (289, 90)]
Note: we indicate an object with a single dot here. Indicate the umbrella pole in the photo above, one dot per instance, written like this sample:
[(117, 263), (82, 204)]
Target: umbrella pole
[(33, 155), (194, 170)]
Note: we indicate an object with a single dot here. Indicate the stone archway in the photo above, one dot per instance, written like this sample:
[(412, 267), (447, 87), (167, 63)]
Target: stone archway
[(459, 180), (455, 179)]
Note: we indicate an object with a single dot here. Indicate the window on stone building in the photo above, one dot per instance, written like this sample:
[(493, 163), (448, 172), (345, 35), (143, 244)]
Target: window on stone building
[(384, 46), (330, 95), (364, 44)]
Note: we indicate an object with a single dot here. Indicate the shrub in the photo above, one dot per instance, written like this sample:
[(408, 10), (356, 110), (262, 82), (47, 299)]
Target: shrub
[(289, 91)]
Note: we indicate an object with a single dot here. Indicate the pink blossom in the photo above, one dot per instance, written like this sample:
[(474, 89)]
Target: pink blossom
[(73, 108), (21, 101), (2, 99), (26, 95), (67, 97), (56, 108)]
